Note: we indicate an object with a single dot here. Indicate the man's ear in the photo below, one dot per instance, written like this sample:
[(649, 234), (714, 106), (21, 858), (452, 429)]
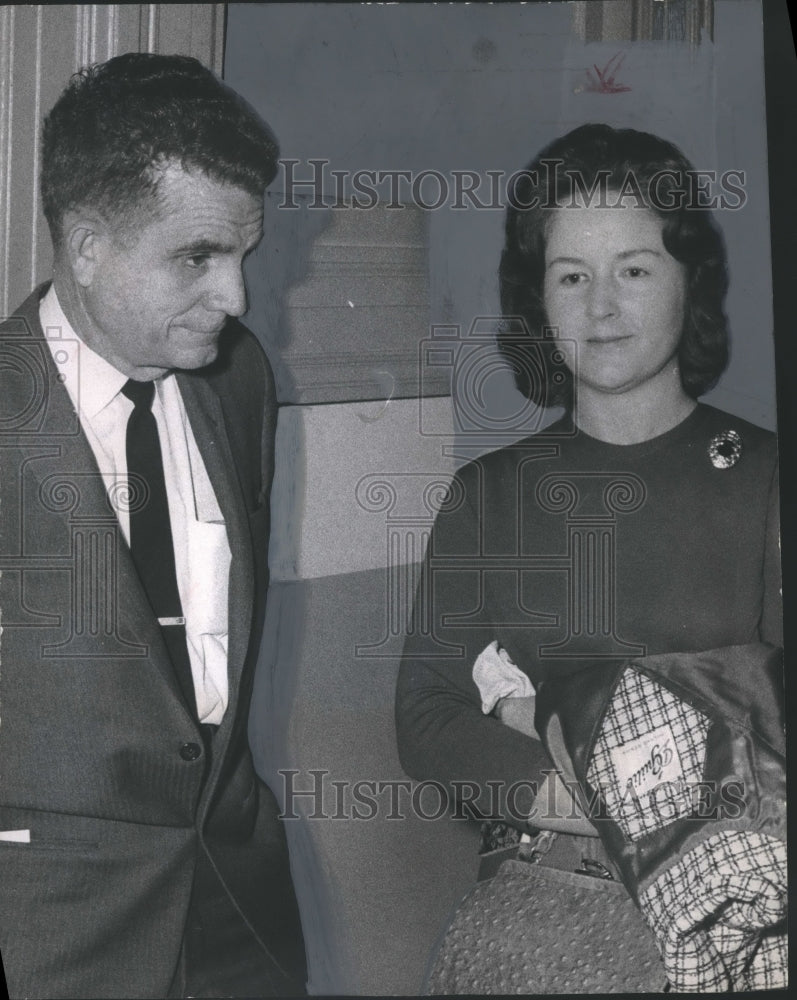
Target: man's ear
[(86, 236)]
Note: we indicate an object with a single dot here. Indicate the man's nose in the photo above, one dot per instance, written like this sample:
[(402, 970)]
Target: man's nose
[(602, 297), (228, 293)]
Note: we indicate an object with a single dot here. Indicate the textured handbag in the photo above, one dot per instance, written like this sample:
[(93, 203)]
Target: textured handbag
[(539, 926)]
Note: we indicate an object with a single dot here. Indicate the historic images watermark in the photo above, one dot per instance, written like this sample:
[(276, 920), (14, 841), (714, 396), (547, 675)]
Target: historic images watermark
[(319, 186), (39, 432), (316, 795), (586, 506)]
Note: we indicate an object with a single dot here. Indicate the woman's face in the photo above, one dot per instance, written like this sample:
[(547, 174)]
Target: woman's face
[(615, 294)]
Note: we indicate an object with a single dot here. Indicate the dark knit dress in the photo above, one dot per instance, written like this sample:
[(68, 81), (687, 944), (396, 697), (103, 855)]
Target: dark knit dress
[(566, 550)]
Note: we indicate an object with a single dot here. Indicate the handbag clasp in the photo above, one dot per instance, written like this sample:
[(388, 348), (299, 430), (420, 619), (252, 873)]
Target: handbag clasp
[(595, 869)]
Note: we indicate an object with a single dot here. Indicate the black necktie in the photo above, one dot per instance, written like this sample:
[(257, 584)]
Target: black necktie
[(151, 531)]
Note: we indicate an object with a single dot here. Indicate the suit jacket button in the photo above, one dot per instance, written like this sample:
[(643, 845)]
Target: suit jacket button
[(190, 751)]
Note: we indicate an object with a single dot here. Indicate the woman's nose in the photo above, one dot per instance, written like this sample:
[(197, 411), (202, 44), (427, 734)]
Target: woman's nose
[(602, 298)]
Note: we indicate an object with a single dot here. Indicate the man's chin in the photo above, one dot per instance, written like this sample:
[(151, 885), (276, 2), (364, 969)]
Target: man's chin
[(199, 358)]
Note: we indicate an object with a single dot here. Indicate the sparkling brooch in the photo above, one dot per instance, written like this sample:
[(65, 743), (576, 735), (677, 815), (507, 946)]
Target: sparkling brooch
[(725, 449)]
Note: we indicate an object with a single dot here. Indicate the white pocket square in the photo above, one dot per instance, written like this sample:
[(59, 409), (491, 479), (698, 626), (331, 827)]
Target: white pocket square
[(17, 836)]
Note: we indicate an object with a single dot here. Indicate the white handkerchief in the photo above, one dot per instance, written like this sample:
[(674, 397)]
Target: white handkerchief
[(208, 570), (496, 677), (16, 836), (205, 503)]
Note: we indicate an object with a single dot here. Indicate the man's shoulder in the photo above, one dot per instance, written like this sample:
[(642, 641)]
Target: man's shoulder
[(241, 360), (240, 354), (25, 368), (241, 375), (24, 320)]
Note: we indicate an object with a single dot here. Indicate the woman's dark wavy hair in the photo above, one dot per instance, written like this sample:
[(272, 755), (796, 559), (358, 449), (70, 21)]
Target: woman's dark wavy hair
[(118, 120), (595, 153)]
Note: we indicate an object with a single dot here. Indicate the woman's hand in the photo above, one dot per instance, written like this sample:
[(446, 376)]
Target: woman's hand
[(517, 713), (555, 807)]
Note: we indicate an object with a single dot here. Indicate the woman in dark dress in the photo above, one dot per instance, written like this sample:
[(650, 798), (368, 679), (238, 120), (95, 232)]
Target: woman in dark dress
[(641, 523)]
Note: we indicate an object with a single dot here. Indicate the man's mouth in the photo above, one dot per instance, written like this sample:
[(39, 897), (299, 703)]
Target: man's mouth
[(200, 334)]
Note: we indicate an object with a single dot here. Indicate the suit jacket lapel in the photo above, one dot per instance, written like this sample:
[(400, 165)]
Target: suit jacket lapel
[(67, 458), (207, 420), (72, 451)]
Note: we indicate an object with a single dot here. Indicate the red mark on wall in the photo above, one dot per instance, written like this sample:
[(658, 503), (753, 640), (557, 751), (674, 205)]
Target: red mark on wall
[(603, 81)]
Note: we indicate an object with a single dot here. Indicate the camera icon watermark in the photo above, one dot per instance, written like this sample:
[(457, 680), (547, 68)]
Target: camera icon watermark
[(61, 540), (468, 365), (28, 369)]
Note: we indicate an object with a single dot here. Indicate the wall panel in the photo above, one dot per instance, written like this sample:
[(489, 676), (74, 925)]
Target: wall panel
[(41, 45)]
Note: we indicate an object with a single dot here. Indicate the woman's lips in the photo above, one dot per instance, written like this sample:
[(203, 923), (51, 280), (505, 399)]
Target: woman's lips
[(608, 340)]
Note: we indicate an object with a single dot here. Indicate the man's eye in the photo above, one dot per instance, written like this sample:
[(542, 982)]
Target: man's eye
[(574, 278), (197, 260), (636, 272)]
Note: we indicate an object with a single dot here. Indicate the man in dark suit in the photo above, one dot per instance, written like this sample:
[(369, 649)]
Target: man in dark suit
[(139, 854)]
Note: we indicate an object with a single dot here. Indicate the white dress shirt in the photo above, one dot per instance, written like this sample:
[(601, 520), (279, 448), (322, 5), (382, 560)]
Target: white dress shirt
[(201, 550)]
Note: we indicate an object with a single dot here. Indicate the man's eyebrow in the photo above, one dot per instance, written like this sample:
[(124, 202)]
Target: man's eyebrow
[(201, 246), (208, 245)]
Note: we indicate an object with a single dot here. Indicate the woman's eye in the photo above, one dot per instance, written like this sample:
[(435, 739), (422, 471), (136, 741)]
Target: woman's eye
[(574, 278), (636, 272)]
